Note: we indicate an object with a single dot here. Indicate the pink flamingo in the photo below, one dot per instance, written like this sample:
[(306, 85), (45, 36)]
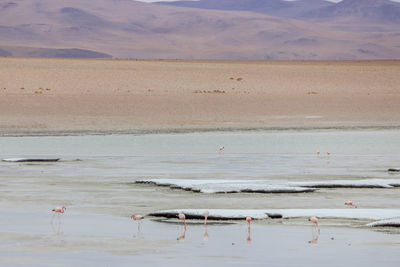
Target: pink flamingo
[(314, 220), (328, 153), (221, 149), (182, 217), (205, 213), (248, 219), (350, 204), (137, 218), (318, 152), (58, 211)]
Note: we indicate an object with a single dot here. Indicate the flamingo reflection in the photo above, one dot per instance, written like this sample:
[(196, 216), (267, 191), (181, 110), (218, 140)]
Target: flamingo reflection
[(181, 238), (205, 237), (315, 236)]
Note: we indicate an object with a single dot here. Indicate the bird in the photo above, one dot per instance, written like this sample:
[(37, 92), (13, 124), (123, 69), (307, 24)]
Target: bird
[(137, 218), (58, 211), (314, 220), (205, 213), (182, 217), (248, 219), (221, 149), (351, 204), (318, 152), (328, 153)]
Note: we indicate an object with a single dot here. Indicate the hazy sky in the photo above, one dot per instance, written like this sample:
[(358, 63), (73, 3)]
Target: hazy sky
[(176, 0)]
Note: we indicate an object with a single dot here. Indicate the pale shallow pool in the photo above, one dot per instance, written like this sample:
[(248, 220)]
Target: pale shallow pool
[(96, 177)]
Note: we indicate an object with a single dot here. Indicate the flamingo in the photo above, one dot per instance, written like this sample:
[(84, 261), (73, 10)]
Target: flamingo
[(314, 220), (221, 149), (318, 152), (182, 217), (350, 204), (328, 153), (248, 219), (137, 218), (57, 211), (205, 213)]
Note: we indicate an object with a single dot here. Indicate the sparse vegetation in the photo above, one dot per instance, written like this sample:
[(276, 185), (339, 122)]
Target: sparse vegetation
[(209, 92), (312, 92)]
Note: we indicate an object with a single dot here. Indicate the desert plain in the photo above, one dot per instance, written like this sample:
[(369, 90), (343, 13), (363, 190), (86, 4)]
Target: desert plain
[(127, 96)]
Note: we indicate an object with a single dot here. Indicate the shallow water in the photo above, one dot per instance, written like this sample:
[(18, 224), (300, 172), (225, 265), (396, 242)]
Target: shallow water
[(96, 176)]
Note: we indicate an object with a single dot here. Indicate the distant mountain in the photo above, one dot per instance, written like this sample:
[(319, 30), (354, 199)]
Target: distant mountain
[(129, 29), (7, 51), (381, 11), (291, 9), (384, 11)]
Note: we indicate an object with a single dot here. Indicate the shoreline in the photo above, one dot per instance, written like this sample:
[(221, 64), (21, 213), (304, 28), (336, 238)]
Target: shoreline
[(10, 133)]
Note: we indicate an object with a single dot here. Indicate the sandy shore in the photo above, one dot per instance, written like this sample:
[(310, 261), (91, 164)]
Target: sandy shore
[(63, 95)]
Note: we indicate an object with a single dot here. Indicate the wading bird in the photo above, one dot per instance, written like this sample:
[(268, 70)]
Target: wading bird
[(205, 213), (137, 218), (57, 211), (248, 219), (182, 217), (351, 204), (314, 220)]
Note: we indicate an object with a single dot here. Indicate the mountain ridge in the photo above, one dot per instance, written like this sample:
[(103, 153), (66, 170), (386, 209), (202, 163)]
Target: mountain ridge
[(129, 29)]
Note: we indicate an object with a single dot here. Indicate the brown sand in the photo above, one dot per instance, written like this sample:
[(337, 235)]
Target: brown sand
[(74, 95)]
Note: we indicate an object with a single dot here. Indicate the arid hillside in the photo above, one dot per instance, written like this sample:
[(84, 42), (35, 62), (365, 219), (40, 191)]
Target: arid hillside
[(129, 29)]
